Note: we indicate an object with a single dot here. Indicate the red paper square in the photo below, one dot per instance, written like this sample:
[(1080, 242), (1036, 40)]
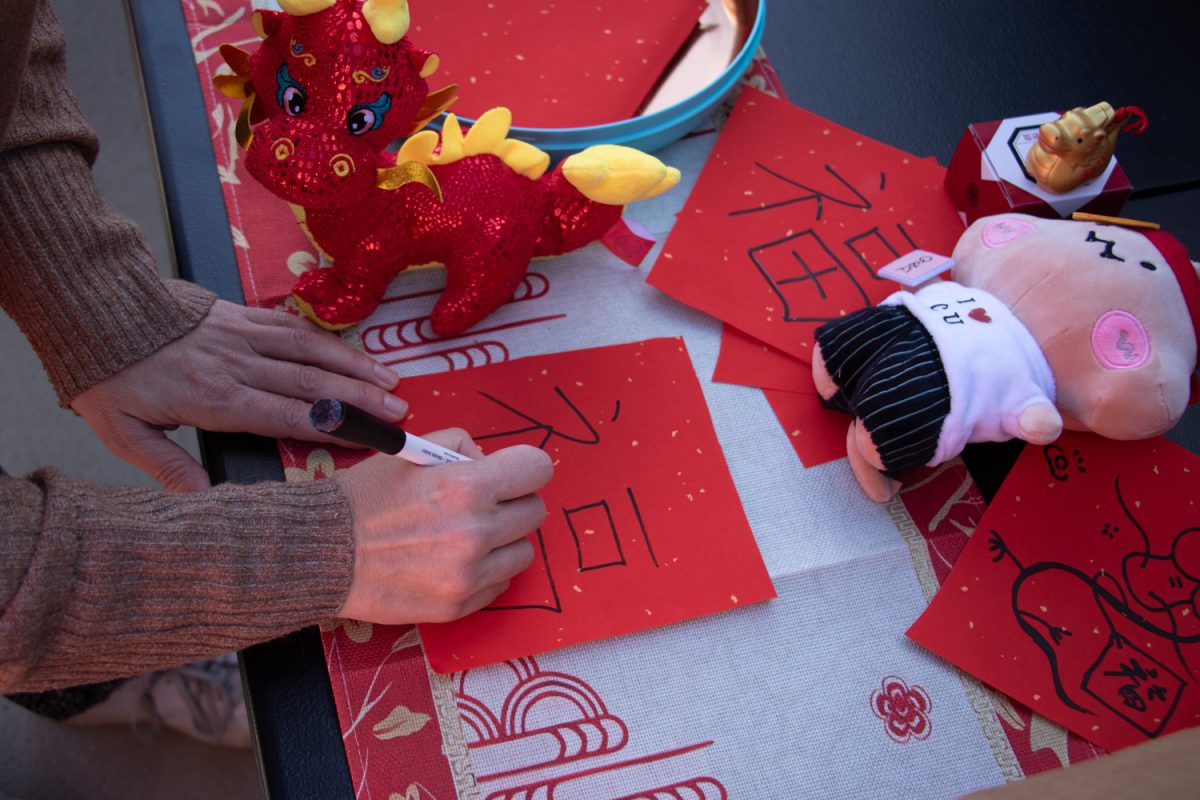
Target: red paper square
[(790, 219), (746, 361), (1077, 594), (817, 434), (554, 65), (645, 526)]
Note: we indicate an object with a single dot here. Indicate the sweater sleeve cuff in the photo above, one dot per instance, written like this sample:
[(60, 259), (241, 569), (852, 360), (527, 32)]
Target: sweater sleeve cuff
[(126, 580), (77, 277)]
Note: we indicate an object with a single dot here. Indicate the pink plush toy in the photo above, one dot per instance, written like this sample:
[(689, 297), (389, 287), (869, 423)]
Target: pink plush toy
[(1047, 324)]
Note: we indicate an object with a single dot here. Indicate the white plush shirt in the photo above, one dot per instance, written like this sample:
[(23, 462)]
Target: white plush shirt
[(993, 365)]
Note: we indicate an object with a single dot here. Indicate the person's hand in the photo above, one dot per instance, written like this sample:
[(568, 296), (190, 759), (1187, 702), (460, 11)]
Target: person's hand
[(432, 544), (241, 369)]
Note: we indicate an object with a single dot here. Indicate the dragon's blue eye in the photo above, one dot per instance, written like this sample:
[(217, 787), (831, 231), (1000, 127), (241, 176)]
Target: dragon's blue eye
[(290, 95), (368, 116)]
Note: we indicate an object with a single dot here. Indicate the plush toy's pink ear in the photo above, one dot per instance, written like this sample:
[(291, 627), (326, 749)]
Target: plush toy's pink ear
[(265, 23), (1005, 230)]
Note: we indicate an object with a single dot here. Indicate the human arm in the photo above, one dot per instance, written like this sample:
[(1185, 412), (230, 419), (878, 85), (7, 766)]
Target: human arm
[(75, 275), (100, 583), (240, 369), (97, 583), (130, 352)]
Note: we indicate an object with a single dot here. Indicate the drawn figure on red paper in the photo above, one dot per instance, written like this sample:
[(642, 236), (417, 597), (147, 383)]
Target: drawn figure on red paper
[(643, 525), (1112, 641), (904, 709)]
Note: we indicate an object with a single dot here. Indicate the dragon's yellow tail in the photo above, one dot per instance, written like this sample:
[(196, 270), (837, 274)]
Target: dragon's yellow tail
[(604, 173), (616, 175)]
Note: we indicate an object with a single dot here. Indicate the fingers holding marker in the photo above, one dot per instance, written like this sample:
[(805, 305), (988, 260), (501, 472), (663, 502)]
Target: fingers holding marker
[(518, 471), (350, 423), (519, 517), (464, 534), (475, 602), (505, 563), (458, 440)]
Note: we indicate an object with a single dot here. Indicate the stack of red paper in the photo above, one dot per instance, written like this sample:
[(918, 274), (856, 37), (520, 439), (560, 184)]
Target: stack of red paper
[(784, 231)]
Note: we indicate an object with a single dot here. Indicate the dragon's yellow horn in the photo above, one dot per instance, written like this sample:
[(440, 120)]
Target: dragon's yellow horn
[(388, 19), (302, 8)]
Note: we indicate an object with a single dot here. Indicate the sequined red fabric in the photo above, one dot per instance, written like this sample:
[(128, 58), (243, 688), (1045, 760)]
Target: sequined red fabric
[(485, 242), (328, 98)]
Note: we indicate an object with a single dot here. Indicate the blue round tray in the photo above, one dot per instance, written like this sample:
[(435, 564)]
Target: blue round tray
[(655, 130)]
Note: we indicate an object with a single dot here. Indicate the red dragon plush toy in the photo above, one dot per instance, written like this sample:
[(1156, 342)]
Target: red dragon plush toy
[(333, 83)]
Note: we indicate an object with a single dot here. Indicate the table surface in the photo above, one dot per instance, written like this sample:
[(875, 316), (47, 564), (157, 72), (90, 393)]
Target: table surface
[(911, 75)]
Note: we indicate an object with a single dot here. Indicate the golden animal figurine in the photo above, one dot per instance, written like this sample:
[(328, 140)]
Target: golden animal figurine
[(1077, 146)]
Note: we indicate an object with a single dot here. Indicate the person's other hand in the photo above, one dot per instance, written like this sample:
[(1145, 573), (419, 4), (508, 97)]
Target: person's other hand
[(432, 544), (240, 370)]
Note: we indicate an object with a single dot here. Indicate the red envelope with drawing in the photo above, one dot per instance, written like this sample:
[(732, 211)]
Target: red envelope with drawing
[(1077, 594), (554, 65), (790, 219), (644, 526)]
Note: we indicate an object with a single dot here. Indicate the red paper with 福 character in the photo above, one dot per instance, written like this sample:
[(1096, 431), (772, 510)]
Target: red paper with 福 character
[(644, 525), (1077, 593), (791, 218)]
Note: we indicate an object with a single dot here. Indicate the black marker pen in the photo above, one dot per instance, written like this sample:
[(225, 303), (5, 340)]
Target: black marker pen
[(340, 419)]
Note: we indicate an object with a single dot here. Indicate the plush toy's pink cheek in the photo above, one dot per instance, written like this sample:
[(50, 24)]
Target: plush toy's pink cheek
[(1120, 341), (1003, 231)]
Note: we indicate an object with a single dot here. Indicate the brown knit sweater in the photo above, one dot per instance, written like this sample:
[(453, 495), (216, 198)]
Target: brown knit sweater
[(97, 583)]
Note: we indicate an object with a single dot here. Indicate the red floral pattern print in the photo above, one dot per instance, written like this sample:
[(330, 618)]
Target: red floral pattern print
[(903, 709)]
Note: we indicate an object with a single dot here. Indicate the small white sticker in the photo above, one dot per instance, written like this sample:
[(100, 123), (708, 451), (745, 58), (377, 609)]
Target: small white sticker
[(916, 267)]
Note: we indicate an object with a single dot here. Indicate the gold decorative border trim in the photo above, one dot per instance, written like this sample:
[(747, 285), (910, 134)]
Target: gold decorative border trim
[(976, 693), (454, 745)]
